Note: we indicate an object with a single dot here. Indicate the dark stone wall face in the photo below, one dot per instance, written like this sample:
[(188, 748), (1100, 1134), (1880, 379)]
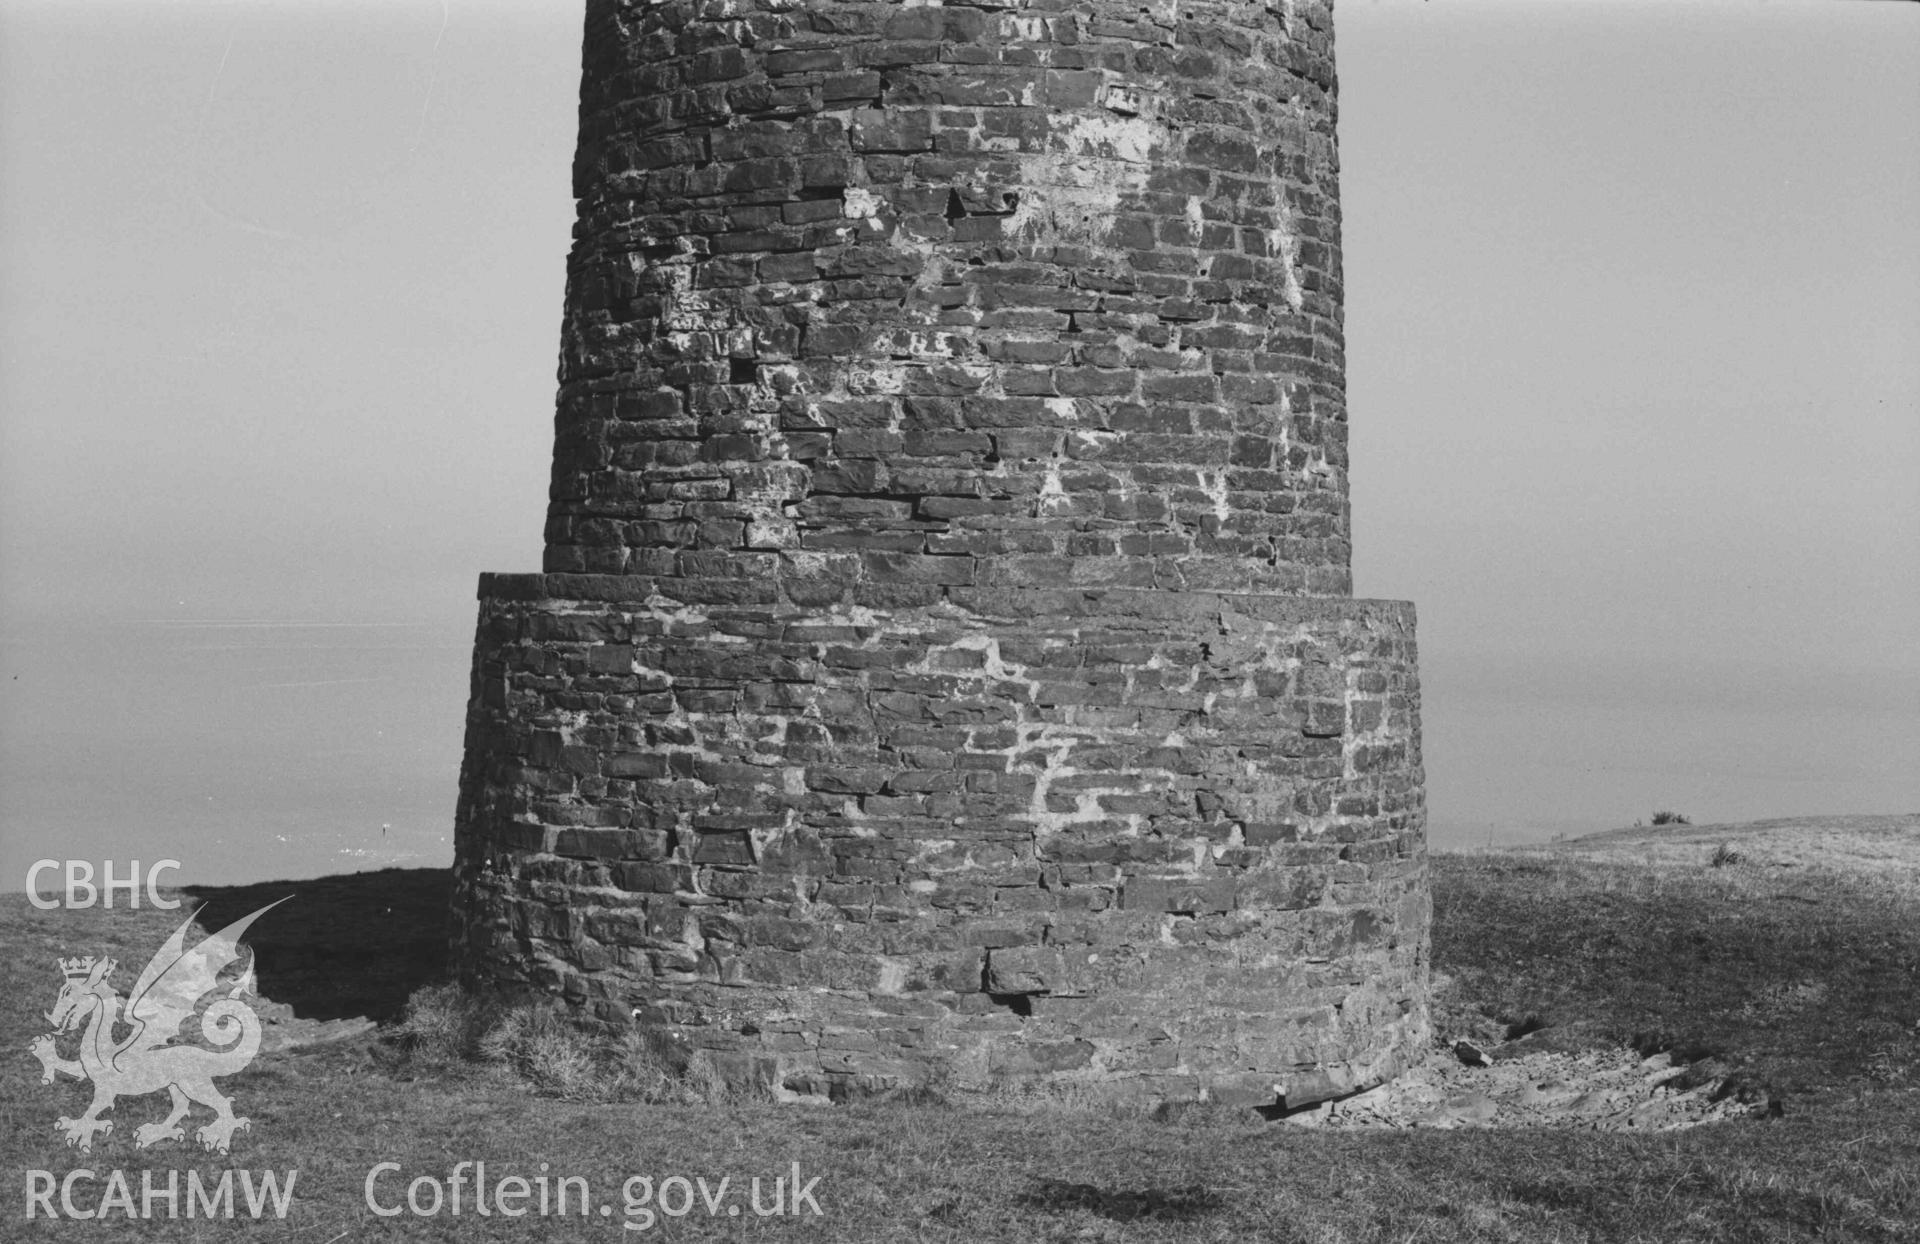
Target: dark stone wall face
[(944, 665), (1008, 295)]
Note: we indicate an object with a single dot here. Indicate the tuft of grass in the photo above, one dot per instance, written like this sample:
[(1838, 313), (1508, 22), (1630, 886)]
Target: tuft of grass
[(442, 1026), (445, 1029), (550, 1055), (1724, 855), (1671, 818)]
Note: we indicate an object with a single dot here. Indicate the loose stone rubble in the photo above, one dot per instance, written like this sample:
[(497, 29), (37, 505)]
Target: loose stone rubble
[(1595, 1090), (281, 1029)]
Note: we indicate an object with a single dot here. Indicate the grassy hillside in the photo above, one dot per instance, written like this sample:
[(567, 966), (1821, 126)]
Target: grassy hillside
[(1802, 981), (1885, 847)]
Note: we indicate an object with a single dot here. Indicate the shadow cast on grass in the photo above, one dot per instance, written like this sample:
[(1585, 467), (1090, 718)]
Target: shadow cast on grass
[(1123, 1204), (348, 945)]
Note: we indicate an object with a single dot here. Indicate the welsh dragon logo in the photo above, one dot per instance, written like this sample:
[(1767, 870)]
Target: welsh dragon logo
[(155, 1054)]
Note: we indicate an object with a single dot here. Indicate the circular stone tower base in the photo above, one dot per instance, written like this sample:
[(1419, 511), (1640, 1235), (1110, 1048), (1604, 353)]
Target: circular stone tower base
[(1166, 843), (945, 666)]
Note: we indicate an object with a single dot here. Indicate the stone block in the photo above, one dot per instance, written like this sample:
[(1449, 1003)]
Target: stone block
[(1189, 895)]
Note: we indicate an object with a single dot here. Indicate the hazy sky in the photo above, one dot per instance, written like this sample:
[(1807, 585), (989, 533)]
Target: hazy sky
[(1633, 312)]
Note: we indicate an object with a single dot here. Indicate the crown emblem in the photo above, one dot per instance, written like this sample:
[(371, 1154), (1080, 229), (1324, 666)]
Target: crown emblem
[(74, 969)]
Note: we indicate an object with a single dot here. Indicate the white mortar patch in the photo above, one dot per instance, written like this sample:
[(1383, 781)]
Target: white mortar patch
[(1071, 191), (1284, 243)]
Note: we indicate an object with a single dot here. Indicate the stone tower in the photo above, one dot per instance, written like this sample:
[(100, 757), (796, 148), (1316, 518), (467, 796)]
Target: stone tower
[(945, 660)]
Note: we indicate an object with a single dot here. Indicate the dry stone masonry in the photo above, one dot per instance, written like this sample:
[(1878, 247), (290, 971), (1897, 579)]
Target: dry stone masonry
[(944, 666)]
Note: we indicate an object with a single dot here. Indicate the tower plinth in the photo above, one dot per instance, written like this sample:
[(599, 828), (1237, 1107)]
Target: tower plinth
[(944, 663)]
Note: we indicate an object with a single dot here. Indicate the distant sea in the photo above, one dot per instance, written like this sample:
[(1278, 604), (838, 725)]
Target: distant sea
[(247, 749), (263, 749)]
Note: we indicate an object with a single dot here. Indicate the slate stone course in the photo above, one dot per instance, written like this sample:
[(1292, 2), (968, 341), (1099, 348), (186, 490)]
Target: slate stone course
[(944, 663)]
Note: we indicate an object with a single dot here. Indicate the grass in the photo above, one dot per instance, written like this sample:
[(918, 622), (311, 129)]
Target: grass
[(1887, 847), (1805, 983), (446, 1031), (1802, 982)]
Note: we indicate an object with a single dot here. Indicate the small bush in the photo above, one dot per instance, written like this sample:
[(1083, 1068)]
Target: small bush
[(1671, 818), (1724, 854)]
